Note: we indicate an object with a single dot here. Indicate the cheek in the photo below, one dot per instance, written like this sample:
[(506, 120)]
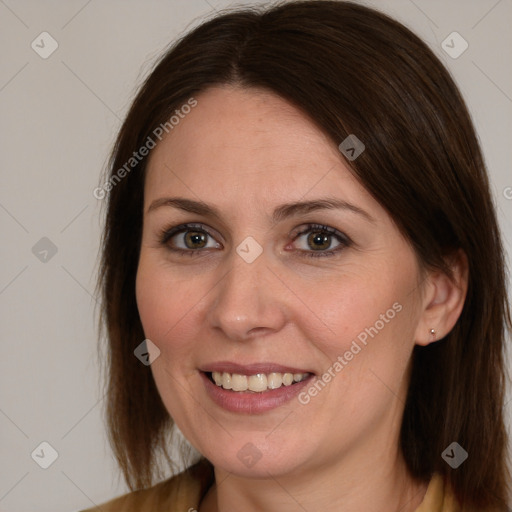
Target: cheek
[(368, 318), (164, 307), (152, 301), (355, 302), (364, 356), (162, 300)]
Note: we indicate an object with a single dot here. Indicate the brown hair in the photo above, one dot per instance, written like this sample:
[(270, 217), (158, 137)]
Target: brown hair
[(353, 70)]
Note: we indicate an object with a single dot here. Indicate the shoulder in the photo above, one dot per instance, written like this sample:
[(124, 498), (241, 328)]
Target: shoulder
[(438, 497), (441, 498), (181, 492)]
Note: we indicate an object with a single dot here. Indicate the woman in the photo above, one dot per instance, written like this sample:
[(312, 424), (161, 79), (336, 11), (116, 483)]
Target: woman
[(302, 271)]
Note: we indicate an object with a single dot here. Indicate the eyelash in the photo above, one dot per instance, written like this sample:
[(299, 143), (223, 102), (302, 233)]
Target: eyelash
[(166, 234)]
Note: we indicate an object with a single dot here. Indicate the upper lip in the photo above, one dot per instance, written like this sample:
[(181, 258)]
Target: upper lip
[(250, 369)]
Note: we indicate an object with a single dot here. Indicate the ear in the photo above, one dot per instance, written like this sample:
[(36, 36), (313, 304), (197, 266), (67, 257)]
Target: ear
[(443, 300)]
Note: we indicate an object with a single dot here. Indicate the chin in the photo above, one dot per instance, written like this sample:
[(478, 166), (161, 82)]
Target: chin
[(259, 461)]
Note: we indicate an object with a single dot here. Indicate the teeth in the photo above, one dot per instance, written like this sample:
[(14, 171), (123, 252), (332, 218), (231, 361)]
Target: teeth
[(274, 380), (225, 381), (239, 382), (257, 383), (288, 379)]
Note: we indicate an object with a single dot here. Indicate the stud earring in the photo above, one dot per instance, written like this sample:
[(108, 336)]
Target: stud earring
[(433, 333)]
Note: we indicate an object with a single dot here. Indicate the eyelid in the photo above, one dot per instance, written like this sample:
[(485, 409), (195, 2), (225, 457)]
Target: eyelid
[(311, 226), (344, 240), (167, 233)]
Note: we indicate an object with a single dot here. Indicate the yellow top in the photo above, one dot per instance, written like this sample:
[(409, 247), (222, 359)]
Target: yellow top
[(184, 492)]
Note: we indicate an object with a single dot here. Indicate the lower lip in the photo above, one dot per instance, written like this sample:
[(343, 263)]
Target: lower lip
[(249, 402)]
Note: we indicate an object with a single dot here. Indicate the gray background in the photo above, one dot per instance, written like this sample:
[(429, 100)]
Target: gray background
[(59, 118)]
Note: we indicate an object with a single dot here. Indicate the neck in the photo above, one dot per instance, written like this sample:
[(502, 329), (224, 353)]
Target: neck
[(357, 485)]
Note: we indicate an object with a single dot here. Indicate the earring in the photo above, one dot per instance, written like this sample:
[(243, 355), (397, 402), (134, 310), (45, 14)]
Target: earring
[(433, 333)]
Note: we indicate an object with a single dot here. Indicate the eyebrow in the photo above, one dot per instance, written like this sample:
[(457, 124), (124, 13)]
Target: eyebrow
[(280, 213)]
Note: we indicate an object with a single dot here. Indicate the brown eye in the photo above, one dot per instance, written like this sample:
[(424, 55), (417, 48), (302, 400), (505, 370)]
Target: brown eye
[(195, 239), (318, 240), (188, 239)]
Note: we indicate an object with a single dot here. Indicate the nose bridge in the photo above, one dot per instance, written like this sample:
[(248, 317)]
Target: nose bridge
[(246, 299)]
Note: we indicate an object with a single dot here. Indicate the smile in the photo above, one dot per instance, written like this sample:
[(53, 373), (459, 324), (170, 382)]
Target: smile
[(257, 383), (253, 388)]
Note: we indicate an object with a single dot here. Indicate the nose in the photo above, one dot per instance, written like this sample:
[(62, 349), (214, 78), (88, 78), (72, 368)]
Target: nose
[(246, 302)]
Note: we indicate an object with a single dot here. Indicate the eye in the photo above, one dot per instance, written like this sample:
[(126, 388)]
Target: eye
[(319, 240), (188, 238), (191, 239)]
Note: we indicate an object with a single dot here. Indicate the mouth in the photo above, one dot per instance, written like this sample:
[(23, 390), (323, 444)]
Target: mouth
[(255, 383), (255, 388)]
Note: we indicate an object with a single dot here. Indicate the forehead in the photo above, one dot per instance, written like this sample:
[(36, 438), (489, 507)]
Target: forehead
[(249, 144)]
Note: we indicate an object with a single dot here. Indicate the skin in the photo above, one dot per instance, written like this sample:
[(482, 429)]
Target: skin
[(245, 152)]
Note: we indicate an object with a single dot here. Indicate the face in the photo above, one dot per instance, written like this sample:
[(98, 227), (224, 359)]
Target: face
[(248, 277)]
